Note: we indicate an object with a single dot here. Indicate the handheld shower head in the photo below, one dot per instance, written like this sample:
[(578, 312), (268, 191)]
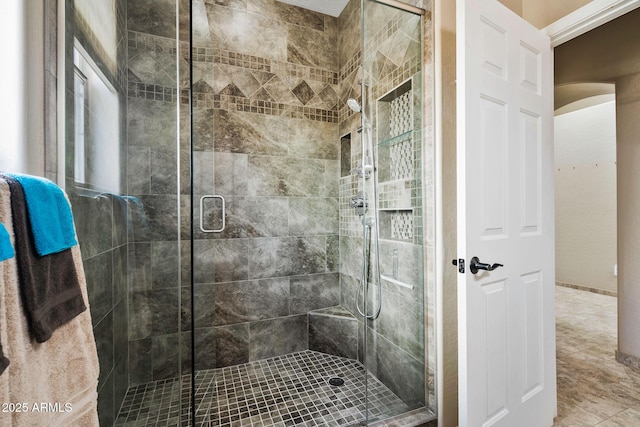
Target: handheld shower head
[(354, 105)]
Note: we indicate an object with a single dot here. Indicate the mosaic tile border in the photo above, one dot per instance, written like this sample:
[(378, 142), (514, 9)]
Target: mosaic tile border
[(152, 42), (150, 91), (231, 102)]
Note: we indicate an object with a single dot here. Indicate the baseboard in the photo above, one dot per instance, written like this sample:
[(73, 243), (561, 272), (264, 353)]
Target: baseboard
[(587, 289), (628, 360)]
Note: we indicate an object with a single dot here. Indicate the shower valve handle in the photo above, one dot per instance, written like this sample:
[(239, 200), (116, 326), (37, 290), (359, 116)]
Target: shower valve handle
[(475, 265)]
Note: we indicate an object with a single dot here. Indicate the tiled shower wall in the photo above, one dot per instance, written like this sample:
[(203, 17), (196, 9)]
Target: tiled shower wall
[(270, 85), (101, 220), (397, 338), (265, 90), (265, 121)]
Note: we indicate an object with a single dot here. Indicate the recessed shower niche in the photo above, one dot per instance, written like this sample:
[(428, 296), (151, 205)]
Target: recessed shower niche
[(398, 138)]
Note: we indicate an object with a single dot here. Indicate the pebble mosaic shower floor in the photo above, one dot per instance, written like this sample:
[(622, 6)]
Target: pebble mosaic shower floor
[(290, 390)]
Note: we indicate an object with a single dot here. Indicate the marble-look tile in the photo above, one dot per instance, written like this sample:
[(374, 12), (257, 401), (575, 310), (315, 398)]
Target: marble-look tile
[(593, 388), (349, 32), (401, 322), (99, 275), (254, 300), (150, 66), (314, 291), (165, 310), (140, 370), (285, 176), (203, 261), (230, 260), (140, 316), (138, 170), (203, 129), (256, 217), (164, 264), (311, 139), (120, 220), (203, 172), (252, 34), (103, 332), (205, 307), (286, 256), (120, 330), (288, 13), (313, 216), (94, 221), (348, 290), (410, 268), (139, 266), (628, 417), (106, 404), (337, 335), (275, 337), (333, 253), (153, 312), (120, 269), (351, 256), (231, 172), (232, 345), (151, 124), (165, 353), (120, 381), (186, 353), (205, 348), (157, 220), (319, 50), (152, 16), (164, 171), (403, 374), (248, 133)]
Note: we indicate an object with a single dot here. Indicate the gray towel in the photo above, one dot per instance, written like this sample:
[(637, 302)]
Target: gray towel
[(49, 284), (4, 362)]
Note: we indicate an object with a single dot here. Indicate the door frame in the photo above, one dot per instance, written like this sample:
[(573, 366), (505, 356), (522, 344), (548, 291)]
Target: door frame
[(584, 19)]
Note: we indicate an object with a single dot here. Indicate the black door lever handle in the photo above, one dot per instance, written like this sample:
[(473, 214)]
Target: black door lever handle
[(475, 265)]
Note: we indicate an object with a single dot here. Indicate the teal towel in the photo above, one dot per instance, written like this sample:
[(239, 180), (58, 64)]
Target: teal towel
[(6, 250), (49, 214)]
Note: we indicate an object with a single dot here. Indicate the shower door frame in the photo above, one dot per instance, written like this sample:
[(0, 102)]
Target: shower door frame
[(428, 208)]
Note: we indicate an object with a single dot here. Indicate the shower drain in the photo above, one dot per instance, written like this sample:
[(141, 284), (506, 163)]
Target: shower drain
[(336, 381)]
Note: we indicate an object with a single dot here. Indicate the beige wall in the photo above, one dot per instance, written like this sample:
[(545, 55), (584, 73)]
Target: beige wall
[(628, 152), (585, 184), (445, 132), (541, 13), (611, 53)]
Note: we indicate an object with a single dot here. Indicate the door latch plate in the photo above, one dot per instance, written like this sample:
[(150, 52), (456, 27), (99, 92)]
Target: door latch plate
[(459, 263)]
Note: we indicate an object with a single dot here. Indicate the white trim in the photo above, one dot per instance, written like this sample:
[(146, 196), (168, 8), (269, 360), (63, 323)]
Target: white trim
[(61, 97), (588, 17)]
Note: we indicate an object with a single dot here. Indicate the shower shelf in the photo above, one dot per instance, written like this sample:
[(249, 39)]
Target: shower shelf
[(396, 139)]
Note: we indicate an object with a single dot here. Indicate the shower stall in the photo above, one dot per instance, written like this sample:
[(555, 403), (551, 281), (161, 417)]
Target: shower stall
[(252, 186)]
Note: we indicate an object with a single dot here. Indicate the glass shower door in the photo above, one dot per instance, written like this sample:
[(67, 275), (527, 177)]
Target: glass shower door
[(393, 143)]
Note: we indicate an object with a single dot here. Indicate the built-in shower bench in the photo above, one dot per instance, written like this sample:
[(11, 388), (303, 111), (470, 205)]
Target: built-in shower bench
[(333, 330)]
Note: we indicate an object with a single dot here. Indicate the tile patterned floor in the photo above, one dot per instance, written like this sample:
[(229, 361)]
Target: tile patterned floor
[(593, 389), (290, 390)]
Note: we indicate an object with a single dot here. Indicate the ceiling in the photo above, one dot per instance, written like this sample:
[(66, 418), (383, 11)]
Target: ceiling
[(328, 7)]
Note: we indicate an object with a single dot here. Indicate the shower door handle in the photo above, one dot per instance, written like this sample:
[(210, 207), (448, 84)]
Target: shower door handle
[(202, 227)]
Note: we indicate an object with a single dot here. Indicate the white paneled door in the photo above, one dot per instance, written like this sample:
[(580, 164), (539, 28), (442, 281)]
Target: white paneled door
[(505, 216)]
